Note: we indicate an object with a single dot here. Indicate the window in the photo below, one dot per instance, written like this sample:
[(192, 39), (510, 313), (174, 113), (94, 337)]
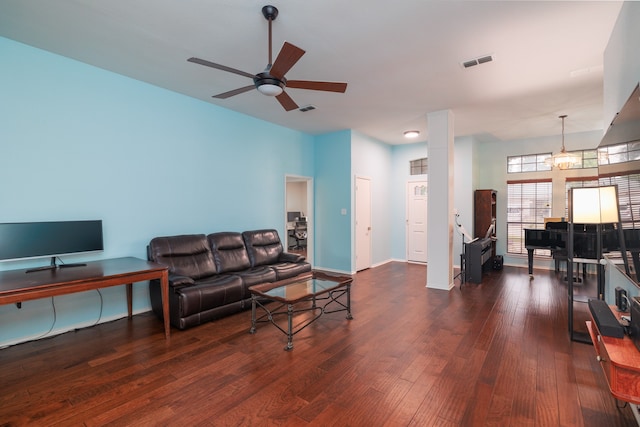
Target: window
[(628, 197), (588, 159), (418, 167), (528, 203), (620, 153), (536, 162), (528, 163)]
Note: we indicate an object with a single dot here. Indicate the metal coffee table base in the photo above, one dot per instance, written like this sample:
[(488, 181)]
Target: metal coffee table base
[(330, 298)]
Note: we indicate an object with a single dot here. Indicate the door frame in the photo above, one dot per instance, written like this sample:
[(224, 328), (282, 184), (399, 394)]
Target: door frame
[(308, 213)]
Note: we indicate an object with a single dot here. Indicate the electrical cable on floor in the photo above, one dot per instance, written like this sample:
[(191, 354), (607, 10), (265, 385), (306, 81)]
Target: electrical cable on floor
[(101, 307), (53, 305), (55, 315)]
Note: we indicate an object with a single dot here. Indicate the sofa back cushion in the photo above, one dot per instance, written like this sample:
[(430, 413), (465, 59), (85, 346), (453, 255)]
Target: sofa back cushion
[(229, 252), (263, 246), (186, 255)]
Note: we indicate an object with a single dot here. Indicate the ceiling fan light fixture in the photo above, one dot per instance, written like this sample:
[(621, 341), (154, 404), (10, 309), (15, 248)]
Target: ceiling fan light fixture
[(268, 85), (270, 89), (411, 134)]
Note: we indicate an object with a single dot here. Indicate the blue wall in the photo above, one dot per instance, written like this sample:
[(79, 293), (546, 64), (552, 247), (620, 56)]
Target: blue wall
[(372, 159), (333, 244), (78, 142)]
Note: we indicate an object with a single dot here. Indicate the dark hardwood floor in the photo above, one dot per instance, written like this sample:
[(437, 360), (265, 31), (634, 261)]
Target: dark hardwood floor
[(496, 353)]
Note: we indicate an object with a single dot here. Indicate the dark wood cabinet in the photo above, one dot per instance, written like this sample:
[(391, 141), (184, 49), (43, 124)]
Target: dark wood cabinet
[(620, 361), (485, 215)]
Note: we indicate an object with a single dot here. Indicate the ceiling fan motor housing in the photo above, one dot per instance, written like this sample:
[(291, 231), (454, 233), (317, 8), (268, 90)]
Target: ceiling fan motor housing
[(265, 78), (270, 12)]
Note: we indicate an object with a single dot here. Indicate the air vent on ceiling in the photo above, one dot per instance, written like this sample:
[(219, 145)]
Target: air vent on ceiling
[(307, 108), (477, 61)]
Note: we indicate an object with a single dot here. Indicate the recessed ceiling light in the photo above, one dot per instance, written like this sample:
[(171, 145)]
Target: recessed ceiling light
[(411, 133)]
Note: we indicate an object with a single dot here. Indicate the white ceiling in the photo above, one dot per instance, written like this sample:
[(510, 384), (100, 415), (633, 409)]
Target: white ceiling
[(401, 59)]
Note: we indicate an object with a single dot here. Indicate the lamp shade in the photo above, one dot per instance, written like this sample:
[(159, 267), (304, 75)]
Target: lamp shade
[(594, 205)]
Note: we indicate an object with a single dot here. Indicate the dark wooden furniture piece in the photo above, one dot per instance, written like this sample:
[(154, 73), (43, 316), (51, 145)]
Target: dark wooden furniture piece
[(477, 254), (484, 215), (555, 238), (620, 361), (298, 290), (17, 286)]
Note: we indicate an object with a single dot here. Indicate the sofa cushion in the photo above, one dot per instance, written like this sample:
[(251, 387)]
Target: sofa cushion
[(285, 270), (185, 255), (229, 252), (209, 293), (263, 246), (256, 275)]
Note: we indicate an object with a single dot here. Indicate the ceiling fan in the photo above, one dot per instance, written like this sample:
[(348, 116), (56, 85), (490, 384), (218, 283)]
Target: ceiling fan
[(271, 81)]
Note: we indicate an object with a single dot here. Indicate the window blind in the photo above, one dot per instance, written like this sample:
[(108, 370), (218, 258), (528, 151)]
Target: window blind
[(528, 203)]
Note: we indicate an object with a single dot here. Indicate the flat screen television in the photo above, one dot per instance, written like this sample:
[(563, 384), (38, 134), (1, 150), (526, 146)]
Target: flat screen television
[(23, 240)]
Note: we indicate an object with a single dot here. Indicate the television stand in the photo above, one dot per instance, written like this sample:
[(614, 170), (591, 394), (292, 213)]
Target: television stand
[(16, 287), (53, 266), (620, 362)]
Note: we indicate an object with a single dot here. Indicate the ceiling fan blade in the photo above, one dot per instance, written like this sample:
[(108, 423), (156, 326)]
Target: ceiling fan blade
[(220, 67), (231, 93), (287, 58), (312, 85), (286, 101)]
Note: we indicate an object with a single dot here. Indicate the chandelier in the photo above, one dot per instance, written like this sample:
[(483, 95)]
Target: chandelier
[(562, 160)]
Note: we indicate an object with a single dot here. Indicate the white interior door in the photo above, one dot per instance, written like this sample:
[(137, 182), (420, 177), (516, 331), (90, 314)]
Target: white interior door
[(417, 221), (363, 223)]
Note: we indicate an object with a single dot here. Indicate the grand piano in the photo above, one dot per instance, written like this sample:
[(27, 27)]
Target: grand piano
[(554, 238)]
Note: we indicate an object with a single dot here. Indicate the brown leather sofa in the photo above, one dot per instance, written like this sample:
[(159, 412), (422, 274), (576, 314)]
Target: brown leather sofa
[(210, 276)]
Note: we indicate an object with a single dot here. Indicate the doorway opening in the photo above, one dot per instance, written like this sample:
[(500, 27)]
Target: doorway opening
[(298, 216)]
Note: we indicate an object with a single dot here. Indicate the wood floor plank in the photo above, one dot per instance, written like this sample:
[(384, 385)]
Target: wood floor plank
[(494, 353), (547, 411)]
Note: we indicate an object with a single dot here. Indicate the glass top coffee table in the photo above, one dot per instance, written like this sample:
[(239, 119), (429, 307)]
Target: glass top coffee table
[(317, 292)]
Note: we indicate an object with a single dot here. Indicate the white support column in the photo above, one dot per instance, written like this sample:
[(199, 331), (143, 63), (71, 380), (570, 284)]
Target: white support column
[(440, 201)]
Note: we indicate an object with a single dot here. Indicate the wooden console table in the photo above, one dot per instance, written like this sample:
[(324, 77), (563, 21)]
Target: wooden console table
[(620, 361), (17, 286)]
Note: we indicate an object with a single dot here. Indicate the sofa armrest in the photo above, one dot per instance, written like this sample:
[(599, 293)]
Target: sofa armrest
[(289, 257), (178, 281)]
